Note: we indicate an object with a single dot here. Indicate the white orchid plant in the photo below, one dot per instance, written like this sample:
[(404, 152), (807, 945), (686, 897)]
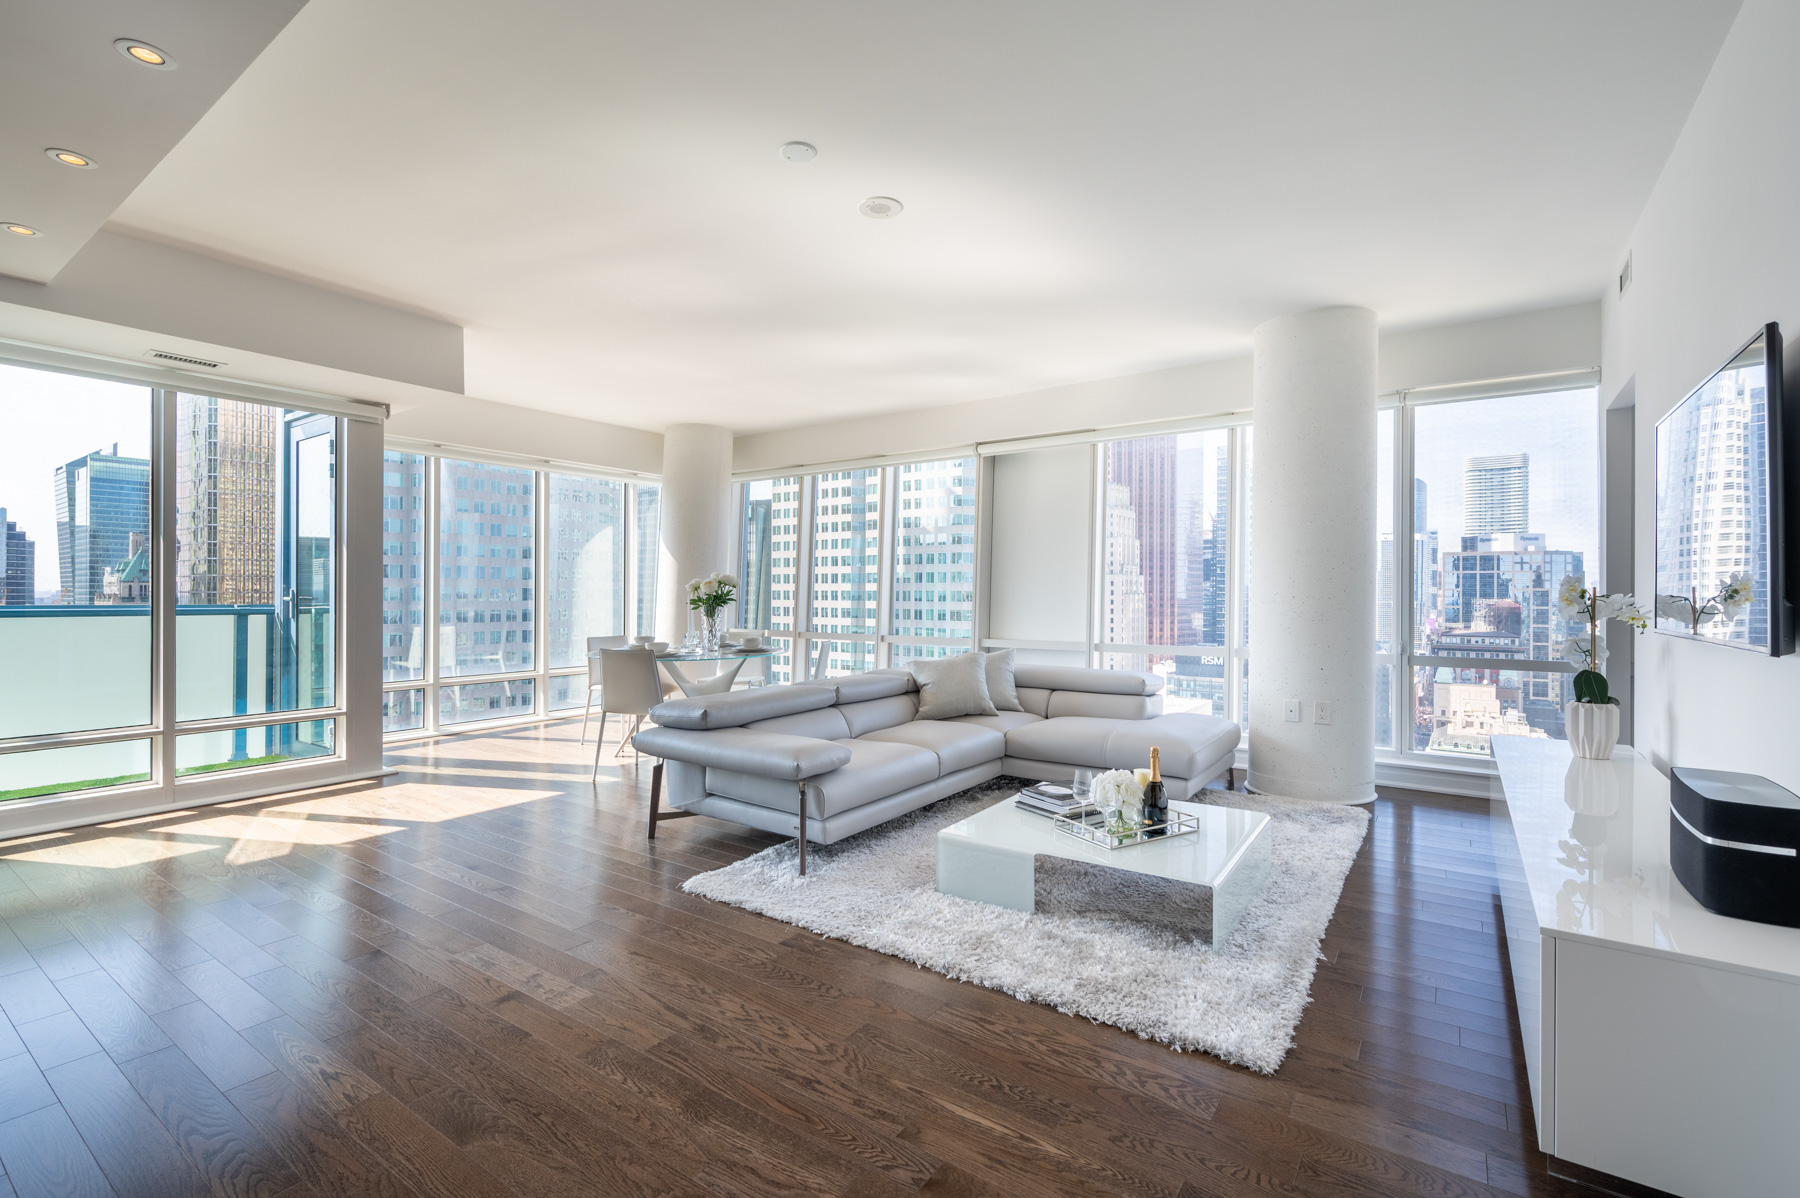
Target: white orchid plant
[(712, 593), (1732, 597), (1583, 606)]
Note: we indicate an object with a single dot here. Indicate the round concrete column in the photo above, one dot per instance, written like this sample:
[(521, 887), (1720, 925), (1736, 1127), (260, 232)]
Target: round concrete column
[(694, 528), (1312, 587)]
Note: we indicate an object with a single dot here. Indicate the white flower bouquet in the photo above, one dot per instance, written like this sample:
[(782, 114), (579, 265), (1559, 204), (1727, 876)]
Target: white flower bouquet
[(1118, 793), (711, 593)]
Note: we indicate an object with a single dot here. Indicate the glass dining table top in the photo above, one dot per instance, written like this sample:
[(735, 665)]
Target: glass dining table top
[(721, 655)]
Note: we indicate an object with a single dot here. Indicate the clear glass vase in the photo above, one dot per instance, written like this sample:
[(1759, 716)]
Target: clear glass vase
[(711, 629)]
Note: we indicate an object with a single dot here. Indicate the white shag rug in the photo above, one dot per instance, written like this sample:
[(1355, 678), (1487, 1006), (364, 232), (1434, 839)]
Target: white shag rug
[(1082, 952)]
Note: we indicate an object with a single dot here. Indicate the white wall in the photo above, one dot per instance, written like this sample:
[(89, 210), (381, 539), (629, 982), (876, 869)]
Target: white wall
[(171, 292), (458, 421), (1715, 254), (1539, 342), (1042, 533)]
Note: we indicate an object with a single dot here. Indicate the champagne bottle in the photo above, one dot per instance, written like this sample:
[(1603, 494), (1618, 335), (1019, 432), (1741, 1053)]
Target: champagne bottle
[(1156, 801)]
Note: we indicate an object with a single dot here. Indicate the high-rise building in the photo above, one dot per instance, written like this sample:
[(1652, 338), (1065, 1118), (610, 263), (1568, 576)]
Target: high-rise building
[(1146, 467), (1426, 580), (755, 606), (1716, 452), (1497, 493), (936, 521), (226, 454), (485, 559), (1125, 613), (1500, 601), (101, 499), (18, 565)]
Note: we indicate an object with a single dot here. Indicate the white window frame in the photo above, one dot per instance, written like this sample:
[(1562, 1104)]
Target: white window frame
[(1404, 661), (1235, 651), (355, 433)]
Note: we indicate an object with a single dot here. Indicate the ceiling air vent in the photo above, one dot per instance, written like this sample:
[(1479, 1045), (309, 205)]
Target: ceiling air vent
[(163, 355)]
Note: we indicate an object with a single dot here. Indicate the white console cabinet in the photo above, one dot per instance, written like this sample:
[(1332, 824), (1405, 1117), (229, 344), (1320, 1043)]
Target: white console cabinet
[(1662, 1041)]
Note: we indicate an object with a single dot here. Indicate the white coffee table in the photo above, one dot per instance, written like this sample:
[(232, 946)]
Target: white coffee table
[(991, 857)]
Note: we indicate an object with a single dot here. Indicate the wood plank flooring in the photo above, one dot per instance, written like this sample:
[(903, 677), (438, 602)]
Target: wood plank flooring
[(479, 978)]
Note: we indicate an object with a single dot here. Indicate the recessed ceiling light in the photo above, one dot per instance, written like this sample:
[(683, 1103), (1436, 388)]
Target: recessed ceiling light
[(881, 207), (23, 230), (799, 151), (71, 158), (143, 52)]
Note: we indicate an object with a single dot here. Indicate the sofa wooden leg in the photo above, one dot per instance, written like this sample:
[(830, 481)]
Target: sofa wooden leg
[(803, 829), (655, 795)]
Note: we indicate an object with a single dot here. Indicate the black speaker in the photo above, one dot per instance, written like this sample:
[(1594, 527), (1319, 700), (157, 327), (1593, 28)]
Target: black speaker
[(1734, 842)]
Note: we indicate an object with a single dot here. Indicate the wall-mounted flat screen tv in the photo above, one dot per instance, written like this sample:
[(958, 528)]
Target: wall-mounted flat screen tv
[(1722, 522)]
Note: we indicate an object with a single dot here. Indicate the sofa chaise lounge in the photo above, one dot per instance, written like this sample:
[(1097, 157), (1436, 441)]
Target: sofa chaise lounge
[(826, 759)]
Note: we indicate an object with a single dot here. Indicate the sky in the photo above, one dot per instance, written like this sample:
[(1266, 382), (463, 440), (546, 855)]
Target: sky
[(1559, 431), (48, 420)]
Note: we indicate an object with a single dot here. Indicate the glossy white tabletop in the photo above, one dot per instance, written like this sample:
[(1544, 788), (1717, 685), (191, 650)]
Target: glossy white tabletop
[(1594, 839), (1202, 857)]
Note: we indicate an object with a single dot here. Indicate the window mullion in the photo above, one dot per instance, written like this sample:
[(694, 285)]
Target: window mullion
[(540, 538), (886, 571), (1401, 688), (1237, 536), (163, 536), (433, 581)]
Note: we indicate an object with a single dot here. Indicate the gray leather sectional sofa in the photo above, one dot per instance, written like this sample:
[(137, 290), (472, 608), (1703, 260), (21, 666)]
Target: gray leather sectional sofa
[(824, 760)]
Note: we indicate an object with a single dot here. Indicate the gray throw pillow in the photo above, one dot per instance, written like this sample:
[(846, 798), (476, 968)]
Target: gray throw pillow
[(1001, 690), (952, 686)]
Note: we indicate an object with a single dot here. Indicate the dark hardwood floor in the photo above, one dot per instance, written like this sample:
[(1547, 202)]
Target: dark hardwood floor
[(479, 979)]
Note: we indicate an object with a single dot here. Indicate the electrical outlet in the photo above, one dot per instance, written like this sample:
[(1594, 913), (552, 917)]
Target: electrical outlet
[(1292, 711), (1321, 711)]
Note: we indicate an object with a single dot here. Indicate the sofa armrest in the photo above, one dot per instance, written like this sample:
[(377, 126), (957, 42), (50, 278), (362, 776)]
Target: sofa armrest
[(745, 751)]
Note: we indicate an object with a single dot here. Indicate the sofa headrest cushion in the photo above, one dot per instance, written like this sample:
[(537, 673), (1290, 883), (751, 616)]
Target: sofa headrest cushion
[(733, 709), (1099, 682), (860, 688)]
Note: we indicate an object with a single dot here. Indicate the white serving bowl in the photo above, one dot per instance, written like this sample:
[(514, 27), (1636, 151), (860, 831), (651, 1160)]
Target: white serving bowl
[(750, 642)]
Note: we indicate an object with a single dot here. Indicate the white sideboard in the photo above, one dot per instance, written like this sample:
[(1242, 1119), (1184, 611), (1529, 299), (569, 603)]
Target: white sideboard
[(1662, 1041)]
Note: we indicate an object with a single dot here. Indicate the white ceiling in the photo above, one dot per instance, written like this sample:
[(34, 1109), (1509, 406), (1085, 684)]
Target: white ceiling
[(63, 85), (1090, 189)]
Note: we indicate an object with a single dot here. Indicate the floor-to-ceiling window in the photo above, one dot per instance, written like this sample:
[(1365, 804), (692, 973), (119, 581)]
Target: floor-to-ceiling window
[(1497, 498), (871, 566), (172, 567), (518, 568), (934, 558), (768, 566), (1173, 567)]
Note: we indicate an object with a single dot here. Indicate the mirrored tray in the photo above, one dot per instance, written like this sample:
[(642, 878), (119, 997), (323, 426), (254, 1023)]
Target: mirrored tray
[(1179, 824)]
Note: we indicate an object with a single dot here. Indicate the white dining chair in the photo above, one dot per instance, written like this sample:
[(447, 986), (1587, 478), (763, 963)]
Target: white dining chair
[(630, 688), (821, 661), (594, 645)]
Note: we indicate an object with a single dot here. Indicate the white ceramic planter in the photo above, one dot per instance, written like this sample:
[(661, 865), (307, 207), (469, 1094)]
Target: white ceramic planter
[(1593, 729)]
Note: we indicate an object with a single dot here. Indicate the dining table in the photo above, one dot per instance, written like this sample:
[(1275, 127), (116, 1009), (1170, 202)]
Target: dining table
[(674, 659)]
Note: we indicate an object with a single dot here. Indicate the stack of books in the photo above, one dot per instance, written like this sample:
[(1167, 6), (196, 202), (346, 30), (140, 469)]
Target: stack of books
[(1048, 800)]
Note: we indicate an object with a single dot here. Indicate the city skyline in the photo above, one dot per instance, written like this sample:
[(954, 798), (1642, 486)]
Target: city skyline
[(41, 437), (18, 564)]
